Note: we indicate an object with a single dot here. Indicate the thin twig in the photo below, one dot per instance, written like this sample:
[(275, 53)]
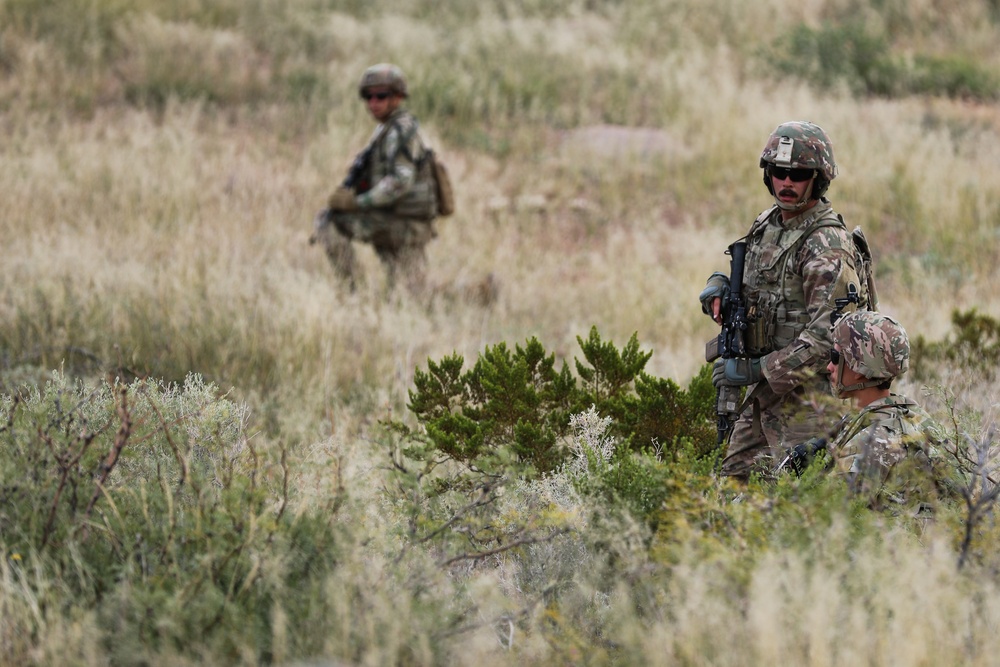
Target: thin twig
[(66, 463), (507, 547), (284, 483), (170, 441), (121, 439)]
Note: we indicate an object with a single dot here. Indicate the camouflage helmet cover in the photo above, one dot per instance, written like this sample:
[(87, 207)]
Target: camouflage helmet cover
[(872, 344), (384, 74), (800, 145)]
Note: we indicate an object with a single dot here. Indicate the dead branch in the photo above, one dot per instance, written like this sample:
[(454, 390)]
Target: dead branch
[(506, 547), (121, 439)]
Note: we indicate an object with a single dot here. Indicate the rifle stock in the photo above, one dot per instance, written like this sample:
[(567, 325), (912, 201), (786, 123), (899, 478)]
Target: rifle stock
[(731, 342)]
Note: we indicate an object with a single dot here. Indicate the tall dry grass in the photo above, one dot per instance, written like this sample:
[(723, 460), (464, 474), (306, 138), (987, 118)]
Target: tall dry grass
[(161, 167)]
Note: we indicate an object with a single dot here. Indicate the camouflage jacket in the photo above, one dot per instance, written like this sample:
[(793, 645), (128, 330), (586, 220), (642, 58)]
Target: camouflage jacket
[(795, 271), (872, 444), (398, 176)]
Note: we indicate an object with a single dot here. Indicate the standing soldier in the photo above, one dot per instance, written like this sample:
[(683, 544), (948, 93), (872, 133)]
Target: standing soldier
[(388, 198), (800, 260)]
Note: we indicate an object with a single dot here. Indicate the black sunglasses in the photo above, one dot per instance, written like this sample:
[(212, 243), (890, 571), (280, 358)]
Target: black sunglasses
[(797, 175), (378, 96), (834, 356)]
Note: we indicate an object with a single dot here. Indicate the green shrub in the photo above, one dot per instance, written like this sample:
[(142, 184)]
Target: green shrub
[(518, 403), (972, 347), (617, 478), (848, 54), (954, 76), (151, 507), (506, 446), (861, 58)]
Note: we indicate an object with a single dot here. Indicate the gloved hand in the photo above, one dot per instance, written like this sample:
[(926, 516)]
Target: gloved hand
[(342, 199), (717, 286), (736, 372), (802, 455)]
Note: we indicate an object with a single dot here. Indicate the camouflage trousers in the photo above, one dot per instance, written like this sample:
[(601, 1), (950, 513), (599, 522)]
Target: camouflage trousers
[(399, 243), (770, 425)]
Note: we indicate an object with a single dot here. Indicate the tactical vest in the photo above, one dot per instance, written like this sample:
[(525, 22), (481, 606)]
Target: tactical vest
[(776, 303), (901, 420), (420, 201)]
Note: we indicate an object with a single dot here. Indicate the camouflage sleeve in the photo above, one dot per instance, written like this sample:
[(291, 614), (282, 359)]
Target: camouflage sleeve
[(396, 171), (826, 264), (872, 453)]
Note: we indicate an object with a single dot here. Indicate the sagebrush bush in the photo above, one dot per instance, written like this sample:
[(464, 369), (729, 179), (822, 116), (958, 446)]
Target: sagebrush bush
[(152, 507)]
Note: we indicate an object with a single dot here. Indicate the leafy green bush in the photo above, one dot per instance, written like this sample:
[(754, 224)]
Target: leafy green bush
[(972, 347), (953, 76), (848, 54), (859, 57), (511, 449), (616, 477), (516, 404)]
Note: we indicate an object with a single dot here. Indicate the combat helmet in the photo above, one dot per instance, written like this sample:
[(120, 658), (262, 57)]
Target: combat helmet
[(873, 345), (800, 145), (384, 74)]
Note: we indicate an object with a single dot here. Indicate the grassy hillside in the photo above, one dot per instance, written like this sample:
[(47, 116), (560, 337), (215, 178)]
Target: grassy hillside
[(161, 162)]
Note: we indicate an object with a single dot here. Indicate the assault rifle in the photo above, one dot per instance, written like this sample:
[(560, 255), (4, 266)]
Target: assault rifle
[(731, 342), (353, 180)]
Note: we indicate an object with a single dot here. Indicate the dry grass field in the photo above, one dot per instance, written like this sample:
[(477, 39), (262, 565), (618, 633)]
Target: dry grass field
[(161, 163)]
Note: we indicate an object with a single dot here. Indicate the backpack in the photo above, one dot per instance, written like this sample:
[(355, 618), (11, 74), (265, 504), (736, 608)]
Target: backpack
[(865, 264), (442, 184)]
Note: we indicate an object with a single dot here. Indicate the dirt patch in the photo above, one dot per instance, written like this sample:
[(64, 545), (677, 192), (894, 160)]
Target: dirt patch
[(620, 141)]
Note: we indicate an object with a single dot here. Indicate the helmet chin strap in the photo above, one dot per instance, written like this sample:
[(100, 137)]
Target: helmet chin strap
[(840, 389), (806, 196)]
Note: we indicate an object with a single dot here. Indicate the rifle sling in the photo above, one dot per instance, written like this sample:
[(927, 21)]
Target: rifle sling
[(751, 397)]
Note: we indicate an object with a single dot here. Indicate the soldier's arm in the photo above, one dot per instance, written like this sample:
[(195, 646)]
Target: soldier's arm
[(827, 268)]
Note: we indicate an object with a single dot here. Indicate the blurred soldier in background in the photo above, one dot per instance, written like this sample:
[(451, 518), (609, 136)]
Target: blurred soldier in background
[(388, 198), (800, 260)]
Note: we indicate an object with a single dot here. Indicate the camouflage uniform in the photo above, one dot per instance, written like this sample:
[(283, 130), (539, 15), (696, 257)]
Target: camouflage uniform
[(793, 290), (869, 448), (795, 271), (891, 449), (396, 201)]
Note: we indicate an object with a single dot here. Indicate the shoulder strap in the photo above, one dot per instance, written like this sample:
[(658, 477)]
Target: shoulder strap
[(885, 408), (836, 220), (404, 140), (761, 220)]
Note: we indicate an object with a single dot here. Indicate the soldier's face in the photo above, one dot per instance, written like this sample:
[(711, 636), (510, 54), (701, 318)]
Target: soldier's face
[(381, 102), (789, 186)]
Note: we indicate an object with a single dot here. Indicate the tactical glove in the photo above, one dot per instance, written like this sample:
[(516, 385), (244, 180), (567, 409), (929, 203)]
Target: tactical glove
[(802, 455), (342, 199), (717, 286), (736, 372)]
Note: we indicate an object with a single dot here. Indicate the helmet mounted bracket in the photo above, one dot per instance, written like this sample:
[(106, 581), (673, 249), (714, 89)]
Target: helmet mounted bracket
[(783, 155)]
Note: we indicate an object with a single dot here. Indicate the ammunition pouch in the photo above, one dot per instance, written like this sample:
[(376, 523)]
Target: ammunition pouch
[(772, 327), (419, 203)]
